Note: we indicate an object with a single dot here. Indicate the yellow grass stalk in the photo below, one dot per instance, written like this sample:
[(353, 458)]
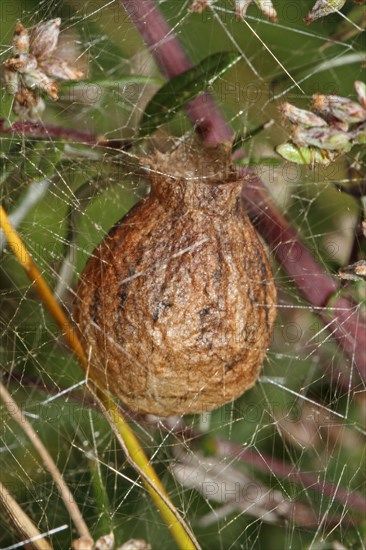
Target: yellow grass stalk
[(179, 529)]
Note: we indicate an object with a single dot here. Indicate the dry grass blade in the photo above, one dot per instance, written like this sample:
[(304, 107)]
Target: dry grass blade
[(22, 522), (48, 462)]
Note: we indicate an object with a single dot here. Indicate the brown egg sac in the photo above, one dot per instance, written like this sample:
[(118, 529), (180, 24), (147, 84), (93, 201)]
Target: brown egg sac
[(176, 305)]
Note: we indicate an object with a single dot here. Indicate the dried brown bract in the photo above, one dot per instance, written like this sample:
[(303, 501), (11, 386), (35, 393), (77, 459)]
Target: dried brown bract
[(177, 303), (354, 272)]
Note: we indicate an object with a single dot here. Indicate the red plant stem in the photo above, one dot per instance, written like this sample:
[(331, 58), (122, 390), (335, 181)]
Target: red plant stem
[(262, 462), (345, 321), (267, 464), (172, 60), (35, 129), (341, 314), (285, 471)]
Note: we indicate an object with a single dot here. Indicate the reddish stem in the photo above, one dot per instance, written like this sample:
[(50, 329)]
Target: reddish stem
[(261, 461), (342, 315), (35, 129), (286, 471), (346, 323), (269, 465), (172, 60)]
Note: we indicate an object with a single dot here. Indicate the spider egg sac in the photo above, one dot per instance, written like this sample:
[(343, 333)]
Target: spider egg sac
[(176, 305)]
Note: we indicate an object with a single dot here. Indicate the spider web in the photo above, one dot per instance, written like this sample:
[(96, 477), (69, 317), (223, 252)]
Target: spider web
[(281, 467)]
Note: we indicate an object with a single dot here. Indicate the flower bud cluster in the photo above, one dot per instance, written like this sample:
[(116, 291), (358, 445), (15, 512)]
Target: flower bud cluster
[(34, 67), (337, 124)]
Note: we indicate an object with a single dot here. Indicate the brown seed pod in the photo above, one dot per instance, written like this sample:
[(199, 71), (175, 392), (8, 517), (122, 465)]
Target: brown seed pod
[(178, 302)]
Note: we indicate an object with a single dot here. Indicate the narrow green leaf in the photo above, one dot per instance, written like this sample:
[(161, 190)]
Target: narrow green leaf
[(183, 88)]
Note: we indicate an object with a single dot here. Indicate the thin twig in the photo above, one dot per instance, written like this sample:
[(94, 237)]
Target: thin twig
[(49, 131), (48, 462), (22, 522), (269, 465), (345, 321)]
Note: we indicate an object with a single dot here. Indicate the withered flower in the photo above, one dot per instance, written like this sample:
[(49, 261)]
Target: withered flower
[(301, 116)]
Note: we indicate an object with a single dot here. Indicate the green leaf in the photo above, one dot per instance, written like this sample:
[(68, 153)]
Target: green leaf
[(183, 88), (304, 155)]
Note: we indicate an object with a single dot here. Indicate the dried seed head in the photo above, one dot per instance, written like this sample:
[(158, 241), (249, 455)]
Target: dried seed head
[(83, 543), (359, 135), (177, 303), (354, 272), (21, 63), (34, 66), (241, 7), (343, 127), (266, 7), (197, 6), (60, 69), (105, 543), (26, 104), (36, 79)]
